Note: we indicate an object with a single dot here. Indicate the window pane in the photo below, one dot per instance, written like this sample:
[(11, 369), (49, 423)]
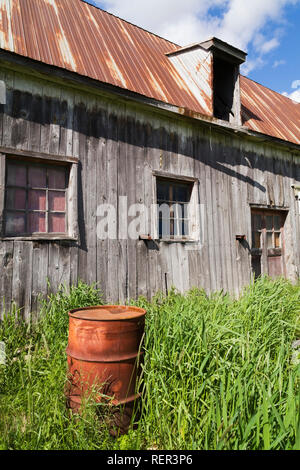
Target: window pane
[(257, 222), (176, 197), (278, 240), (16, 198), (15, 223), (57, 223), (185, 228), (37, 222), (163, 190), (164, 228), (37, 177), (270, 240), (16, 175), (37, 200), (57, 178), (160, 228), (57, 201), (269, 222), (181, 192), (256, 240), (177, 228), (277, 224)]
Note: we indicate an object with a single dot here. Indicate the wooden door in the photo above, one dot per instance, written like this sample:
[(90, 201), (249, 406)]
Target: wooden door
[(268, 242)]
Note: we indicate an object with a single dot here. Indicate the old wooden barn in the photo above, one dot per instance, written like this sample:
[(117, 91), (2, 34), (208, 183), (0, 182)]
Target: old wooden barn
[(95, 113)]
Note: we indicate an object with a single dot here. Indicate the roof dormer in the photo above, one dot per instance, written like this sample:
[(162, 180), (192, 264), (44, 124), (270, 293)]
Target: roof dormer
[(214, 67)]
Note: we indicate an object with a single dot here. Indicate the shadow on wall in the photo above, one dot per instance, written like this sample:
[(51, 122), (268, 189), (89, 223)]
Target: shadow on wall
[(41, 112)]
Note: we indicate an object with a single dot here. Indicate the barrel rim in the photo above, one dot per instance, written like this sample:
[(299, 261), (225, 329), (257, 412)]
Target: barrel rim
[(131, 312)]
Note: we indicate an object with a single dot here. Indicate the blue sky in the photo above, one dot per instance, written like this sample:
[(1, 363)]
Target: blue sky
[(269, 30)]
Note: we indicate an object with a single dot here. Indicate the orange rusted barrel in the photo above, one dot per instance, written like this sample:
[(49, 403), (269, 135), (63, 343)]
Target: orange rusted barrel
[(104, 351)]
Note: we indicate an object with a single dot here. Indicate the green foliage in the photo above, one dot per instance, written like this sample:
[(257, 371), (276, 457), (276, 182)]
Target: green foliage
[(217, 374)]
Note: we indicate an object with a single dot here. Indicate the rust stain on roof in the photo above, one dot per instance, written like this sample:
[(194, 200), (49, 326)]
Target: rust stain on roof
[(268, 112), (91, 42), (6, 37)]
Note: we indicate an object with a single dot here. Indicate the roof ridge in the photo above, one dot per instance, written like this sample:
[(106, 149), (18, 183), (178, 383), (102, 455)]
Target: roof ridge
[(128, 22)]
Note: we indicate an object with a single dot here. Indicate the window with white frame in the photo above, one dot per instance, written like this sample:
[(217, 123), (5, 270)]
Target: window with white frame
[(38, 198), (177, 208)]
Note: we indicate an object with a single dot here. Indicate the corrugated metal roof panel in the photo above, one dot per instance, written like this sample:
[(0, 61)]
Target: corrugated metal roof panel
[(89, 41), (268, 112)]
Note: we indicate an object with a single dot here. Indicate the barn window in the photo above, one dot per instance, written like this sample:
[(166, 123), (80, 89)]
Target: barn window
[(267, 242), (176, 209), (35, 198), (38, 198)]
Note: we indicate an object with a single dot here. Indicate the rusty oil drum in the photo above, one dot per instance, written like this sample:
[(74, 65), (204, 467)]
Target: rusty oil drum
[(104, 350)]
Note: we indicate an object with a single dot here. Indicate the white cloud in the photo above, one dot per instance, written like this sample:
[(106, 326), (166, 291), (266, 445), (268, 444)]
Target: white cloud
[(277, 63), (252, 64), (295, 95), (268, 46), (295, 84), (235, 21)]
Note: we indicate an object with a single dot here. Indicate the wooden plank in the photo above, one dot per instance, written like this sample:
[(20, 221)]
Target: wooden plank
[(112, 290), (64, 274), (91, 196), (37, 155), (131, 160), (55, 120), (8, 110), (73, 265), (35, 121), (80, 124), (101, 171), (150, 161), (2, 192), (122, 208), (6, 274), (141, 247), (2, 100), (210, 215), (39, 274), (22, 100), (22, 277), (203, 265), (59, 267)]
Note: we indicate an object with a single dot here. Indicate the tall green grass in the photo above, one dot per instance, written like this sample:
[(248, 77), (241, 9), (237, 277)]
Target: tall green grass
[(217, 374)]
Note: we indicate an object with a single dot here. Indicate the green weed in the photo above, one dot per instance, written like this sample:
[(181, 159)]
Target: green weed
[(217, 374)]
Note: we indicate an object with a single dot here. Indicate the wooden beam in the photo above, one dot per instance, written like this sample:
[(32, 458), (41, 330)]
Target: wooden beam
[(37, 155), (2, 192)]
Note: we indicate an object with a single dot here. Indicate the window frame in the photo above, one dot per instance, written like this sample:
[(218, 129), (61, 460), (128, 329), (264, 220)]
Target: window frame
[(71, 212), (193, 219)]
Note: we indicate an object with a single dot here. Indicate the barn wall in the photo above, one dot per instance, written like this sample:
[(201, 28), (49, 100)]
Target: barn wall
[(119, 145)]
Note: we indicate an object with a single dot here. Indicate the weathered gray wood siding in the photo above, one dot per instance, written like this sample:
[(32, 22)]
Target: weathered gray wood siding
[(119, 145)]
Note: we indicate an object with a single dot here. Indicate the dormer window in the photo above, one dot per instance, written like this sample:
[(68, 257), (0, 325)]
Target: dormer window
[(224, 82), (225, 79), (211, 70)]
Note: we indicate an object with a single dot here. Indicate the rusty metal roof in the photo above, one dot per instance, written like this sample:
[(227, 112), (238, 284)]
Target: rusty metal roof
[(268, 112), (79, 37)]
